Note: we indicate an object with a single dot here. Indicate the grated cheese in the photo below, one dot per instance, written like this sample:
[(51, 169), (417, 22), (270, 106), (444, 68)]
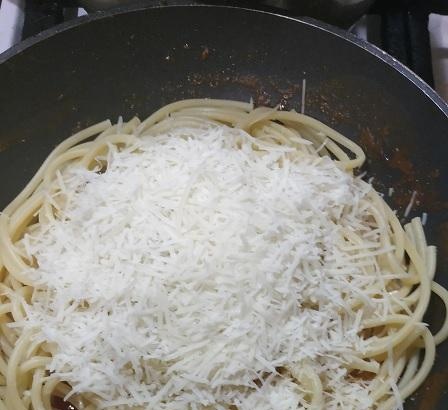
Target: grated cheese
[(303, 100), (408, 209), (189, 272)]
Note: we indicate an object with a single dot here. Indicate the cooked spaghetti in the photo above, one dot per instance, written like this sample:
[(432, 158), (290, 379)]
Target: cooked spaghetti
[(213, 256)]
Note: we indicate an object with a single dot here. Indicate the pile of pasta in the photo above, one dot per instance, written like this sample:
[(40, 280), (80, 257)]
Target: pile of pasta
[(212, 256)]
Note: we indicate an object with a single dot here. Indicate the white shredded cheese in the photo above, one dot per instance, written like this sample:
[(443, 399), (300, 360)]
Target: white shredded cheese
[(302, 107), (189, 272), (408, 209)]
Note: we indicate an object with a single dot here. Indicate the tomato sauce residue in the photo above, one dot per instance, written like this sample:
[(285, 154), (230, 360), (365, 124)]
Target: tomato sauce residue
[(401, 162), (409, 177), (4, 145), (374, 146), (205, 54), (357, 375), (59, 404)]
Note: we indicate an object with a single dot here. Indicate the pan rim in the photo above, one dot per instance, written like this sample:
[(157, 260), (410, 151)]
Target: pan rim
[(375, 51)]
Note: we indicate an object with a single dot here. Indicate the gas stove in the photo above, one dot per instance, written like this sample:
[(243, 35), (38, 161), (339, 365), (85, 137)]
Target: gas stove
[(398, 27)]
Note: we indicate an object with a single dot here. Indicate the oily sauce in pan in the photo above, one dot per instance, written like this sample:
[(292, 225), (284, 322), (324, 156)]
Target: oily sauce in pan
[(59, 404)]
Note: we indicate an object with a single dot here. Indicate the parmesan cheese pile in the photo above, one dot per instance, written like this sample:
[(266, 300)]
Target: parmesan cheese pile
[(201, 271)]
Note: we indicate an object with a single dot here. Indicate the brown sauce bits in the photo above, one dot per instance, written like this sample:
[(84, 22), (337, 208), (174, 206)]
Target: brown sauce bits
[(58, 403)]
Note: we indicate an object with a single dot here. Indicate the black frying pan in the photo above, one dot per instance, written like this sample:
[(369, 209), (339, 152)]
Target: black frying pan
[(130, 62)]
